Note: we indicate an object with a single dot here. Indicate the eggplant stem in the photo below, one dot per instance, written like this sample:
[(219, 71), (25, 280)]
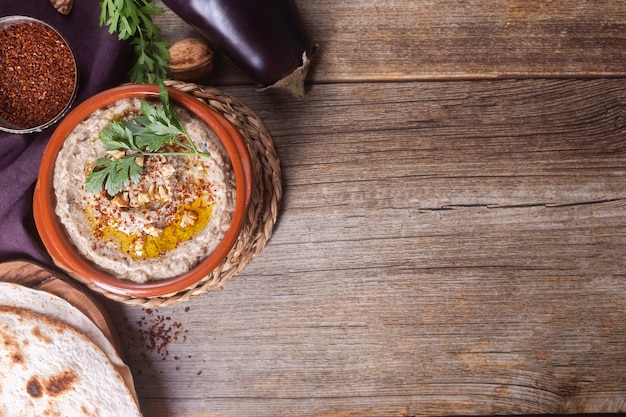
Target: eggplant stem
[(294, 82)]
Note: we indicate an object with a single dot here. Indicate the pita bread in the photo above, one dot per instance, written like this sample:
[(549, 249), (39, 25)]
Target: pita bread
[(51, 368), (42, 302)]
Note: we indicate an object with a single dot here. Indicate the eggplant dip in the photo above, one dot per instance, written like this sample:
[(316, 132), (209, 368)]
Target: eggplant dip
[(162, 224)]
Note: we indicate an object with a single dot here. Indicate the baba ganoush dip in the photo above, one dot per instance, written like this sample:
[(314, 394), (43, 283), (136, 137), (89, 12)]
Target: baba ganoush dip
[(158, 228)]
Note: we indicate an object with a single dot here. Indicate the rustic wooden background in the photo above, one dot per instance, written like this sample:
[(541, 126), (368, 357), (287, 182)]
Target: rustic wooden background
[(452, 234)]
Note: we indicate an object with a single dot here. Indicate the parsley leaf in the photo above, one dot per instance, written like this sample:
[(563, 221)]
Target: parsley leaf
[(117, 136), (132, 19), (113, 174), (145, 134)]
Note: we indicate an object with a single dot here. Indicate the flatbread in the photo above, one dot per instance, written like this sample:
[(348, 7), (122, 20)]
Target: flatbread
[(50, 368), (42, 302)]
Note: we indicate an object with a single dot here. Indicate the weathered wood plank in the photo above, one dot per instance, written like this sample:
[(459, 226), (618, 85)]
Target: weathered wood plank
[(443, 248), (414, 40)]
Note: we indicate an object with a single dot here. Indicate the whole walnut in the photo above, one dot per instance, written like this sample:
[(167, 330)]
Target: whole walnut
[(190, 59)]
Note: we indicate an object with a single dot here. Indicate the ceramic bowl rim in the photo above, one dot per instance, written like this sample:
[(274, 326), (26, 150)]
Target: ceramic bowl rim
[(53, 234)]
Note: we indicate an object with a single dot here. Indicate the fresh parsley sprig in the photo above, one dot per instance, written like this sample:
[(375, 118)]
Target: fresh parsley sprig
[(145, 134), (132, 19)]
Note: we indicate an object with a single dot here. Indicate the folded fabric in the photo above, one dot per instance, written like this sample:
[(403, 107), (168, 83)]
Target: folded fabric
[(103, 62)]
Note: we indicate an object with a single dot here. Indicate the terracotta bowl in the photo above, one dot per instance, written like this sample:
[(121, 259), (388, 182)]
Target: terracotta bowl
[(7, 126), (53, 234)]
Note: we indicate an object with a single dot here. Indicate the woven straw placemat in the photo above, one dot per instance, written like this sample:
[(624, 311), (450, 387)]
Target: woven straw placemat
[(264, 201)]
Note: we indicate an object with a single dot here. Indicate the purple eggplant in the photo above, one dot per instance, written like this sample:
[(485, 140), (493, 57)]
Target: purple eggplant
[(265, 38)]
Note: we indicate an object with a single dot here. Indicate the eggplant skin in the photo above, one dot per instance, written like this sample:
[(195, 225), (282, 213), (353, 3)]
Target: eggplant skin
[(265, 38)]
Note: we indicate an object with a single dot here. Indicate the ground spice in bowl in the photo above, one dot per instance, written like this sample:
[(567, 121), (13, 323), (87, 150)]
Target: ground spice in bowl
[(39, 75)]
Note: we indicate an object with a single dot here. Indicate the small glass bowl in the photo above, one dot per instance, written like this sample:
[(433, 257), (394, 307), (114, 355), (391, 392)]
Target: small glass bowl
[(5, 125)]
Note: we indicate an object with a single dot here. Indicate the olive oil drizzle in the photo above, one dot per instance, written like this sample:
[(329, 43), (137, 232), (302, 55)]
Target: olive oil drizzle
[(146, 246)]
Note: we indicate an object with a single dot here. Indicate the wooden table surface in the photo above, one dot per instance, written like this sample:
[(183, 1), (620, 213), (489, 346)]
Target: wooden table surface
[(452, 233)]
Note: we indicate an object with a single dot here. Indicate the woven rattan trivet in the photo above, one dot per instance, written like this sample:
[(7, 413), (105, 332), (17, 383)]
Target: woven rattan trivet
[(264, 202)]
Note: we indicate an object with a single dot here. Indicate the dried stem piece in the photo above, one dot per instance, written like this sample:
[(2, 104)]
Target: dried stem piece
[(63, 6)]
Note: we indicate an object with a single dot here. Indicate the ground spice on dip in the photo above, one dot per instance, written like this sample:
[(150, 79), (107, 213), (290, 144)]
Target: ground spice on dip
[(38, 74)]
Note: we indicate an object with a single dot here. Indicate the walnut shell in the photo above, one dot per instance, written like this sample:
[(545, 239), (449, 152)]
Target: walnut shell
[(190, 59)]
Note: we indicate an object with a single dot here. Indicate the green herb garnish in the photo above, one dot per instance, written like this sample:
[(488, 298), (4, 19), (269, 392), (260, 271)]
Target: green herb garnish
[(145, 134), (132, 19)]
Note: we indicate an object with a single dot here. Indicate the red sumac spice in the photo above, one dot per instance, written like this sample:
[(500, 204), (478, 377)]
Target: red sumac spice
[(38, 74)]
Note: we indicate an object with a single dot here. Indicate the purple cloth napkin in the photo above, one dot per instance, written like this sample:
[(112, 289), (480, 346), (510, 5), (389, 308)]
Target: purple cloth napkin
[(103, 62)]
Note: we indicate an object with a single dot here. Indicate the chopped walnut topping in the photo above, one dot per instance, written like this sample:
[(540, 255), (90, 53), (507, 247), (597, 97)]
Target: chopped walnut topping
[(142, 198), (116, 154), (164, 194), (189, 218), (140, 245), (140, 160), (121, 200), (151, 230), (167, 170)]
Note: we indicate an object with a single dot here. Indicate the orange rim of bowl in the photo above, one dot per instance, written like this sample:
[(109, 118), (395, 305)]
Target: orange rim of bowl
[(53, 234)]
